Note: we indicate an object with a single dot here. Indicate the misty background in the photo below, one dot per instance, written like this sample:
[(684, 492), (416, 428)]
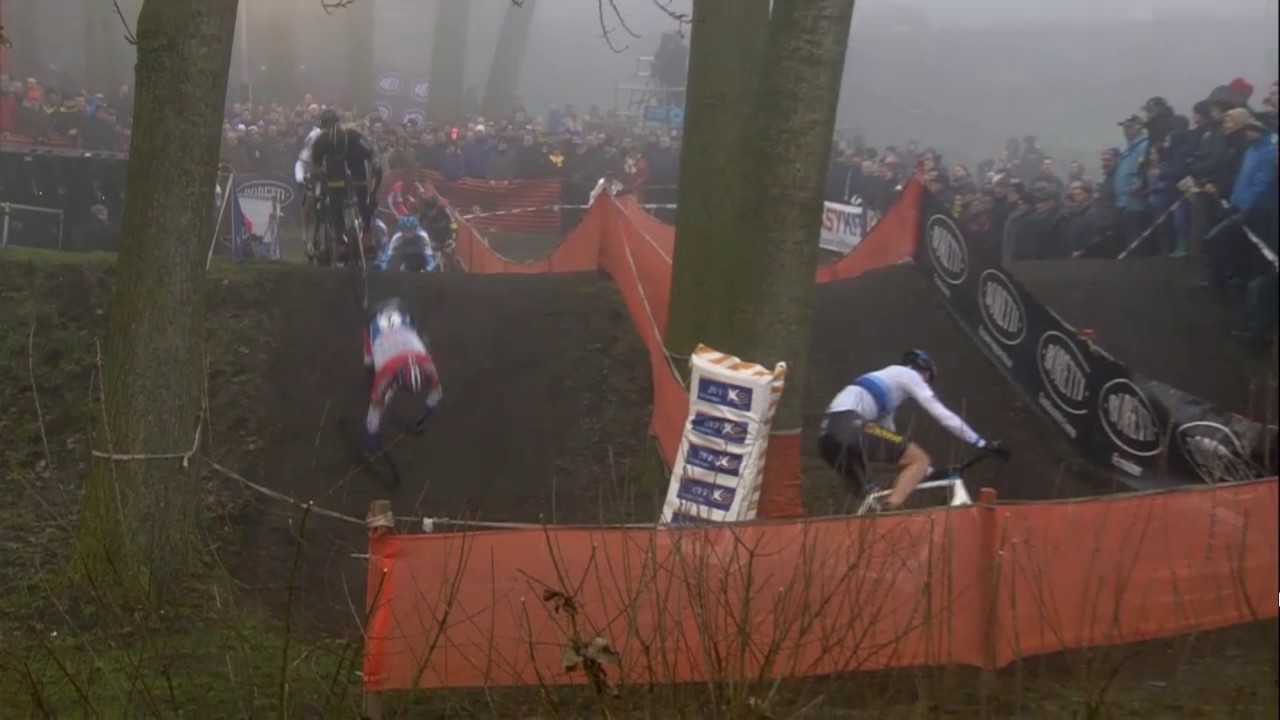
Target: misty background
[(960, 75)]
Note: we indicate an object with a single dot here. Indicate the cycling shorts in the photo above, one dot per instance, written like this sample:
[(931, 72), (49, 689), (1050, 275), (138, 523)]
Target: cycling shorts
[(849, 444)]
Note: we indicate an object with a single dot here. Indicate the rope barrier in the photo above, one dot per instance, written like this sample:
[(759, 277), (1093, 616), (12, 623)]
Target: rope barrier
[(517, 211)]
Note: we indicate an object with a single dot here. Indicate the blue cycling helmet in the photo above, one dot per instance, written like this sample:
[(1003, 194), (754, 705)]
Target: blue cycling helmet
[(920, 361), (409, 223)]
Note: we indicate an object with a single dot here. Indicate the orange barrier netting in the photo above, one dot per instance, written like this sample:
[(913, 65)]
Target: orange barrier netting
[(618, 236), (983, 585)]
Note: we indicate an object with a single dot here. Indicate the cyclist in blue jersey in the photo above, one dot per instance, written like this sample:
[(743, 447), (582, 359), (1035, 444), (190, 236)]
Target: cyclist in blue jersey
[(859, 426)]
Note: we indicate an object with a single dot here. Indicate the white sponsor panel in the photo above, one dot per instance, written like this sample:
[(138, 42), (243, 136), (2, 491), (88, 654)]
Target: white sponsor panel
[(718, 469), (843, 227)]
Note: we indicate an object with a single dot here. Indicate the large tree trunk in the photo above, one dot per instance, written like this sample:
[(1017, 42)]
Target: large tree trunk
[(362, 45), (797, 114), (448, 61), (716, 269), (141, 519), (508, 57)]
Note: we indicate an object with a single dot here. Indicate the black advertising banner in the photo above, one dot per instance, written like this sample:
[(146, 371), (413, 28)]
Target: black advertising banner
[(1144, 432)]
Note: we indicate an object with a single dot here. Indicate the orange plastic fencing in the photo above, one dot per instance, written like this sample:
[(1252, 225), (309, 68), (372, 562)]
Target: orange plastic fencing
[(618, 236), (981, 586)]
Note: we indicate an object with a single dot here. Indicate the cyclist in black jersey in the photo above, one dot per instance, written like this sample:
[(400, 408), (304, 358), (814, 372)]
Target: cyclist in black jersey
[(339, 151)]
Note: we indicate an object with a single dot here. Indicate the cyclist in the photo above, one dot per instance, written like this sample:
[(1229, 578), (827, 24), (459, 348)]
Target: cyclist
[(396, 359), (433, 212), (408, 231), (405, 197), (340, 151), (859, 426), (310, 188)]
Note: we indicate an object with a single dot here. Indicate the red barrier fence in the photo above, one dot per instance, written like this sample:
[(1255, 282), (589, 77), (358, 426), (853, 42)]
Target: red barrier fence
[(983, 586)]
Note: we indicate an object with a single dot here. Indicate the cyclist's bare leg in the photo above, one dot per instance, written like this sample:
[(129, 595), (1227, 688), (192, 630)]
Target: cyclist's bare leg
[(912, 468), (308, 228)]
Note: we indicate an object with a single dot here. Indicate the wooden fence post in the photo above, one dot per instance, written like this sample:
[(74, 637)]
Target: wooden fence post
[(379, 522), (988, 582)]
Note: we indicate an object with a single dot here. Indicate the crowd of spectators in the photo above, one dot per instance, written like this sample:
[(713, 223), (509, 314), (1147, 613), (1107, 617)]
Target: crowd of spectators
[(73, 117), (1202, 184), (1174, 184), (579, 149)]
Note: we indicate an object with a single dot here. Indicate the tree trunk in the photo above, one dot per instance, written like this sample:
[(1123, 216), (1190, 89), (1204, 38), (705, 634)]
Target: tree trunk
[(716, 269), (508, 57), (140, 521), (363, 44), (797, 112), (448, 61)]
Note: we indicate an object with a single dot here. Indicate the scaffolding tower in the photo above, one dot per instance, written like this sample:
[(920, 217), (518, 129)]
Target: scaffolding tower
[(644, 100)]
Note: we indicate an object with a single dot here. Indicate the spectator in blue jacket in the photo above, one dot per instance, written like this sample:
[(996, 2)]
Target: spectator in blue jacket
[(1262, 300), (1127, 181), (476, 153), (1252, 204), (452, 164)]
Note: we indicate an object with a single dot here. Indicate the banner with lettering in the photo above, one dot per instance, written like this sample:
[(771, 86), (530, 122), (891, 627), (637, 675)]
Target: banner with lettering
[(842, 227), (1144, 432)]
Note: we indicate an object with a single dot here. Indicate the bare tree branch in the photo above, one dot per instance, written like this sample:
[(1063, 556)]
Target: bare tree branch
[(606, 31), (128, 34), (330, 5), (681, 19)]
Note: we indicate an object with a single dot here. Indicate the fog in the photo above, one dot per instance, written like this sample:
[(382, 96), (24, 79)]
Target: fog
[(962, 75)]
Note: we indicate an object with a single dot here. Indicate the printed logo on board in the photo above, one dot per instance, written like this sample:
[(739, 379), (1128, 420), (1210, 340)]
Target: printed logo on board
[(390, 83), (420, 91), (383, 110), (731, 431), (715, 461), (947, 249), (1128, 419), (267, 189), (724, 394), (1064, 372), (1002, 309), (414, 118), (1214, 452), (714, 496)]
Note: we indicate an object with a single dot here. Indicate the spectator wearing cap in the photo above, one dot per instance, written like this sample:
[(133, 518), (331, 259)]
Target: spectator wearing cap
[(1127, 181)]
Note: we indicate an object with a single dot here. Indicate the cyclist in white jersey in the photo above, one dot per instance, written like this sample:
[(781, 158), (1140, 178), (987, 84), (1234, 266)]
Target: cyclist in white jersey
[(310, 187), (859, 426)]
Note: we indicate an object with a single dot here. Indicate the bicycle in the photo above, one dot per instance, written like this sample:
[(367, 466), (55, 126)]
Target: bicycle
[(324, 237), (946, 482)]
